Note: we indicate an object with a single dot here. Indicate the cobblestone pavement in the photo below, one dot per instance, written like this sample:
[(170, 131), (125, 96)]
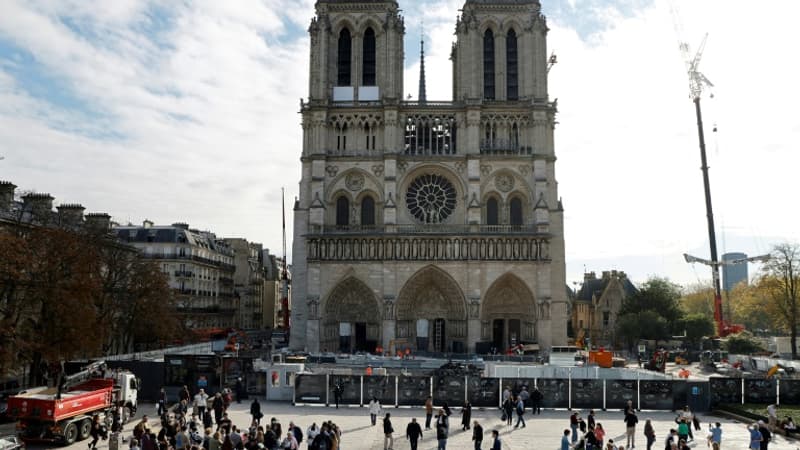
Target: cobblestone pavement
[(542, 432)]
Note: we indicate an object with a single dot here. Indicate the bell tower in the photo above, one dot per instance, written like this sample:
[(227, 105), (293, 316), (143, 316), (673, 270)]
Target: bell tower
[(356, 51)]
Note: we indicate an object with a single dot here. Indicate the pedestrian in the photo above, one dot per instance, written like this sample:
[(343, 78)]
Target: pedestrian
[(95, 431), (671, 439), (600, 434), (311, 434), (525, 395), (428, 412), (536, 400), (337, 393), (715, 435), (506, 393), (565, 440), (590, 440), (442, 430), (413, 433), (649, 434), (683, 429), (508, 410), (772, 416), (755, 437), (218, 405), (200, 403), (573, 425), (227, 443), (255, 411), (466, 415), (520, 412), (162, 402), (497, 444), (590, 420), (628, 407), (289, 442), (374, 410), (297, 432), (766, 435), (388, 440), (184, 394), (477, 435), (689, 418), (630, 429), (446, 409)]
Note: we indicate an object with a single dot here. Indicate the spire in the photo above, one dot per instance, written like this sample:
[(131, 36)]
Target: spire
[(422, 95)]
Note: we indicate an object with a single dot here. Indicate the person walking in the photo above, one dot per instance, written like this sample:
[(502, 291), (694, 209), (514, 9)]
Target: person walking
[(573, 425), (630, 429), (162, 402), (497, 444), (413, 433), (311, 434), (525, 395), (388, 439), (599, 434), (520, 412), (565, 440), (428, 412), (755, 437), (683, 429), (536, 400), (337, 394), (255, 411), (508, 410), (715, 435), (374, 410), (466, 415), (766, 435), (95, 431), (649, 434), (477, 435), (200, 403), (442, 430), (772, 416)]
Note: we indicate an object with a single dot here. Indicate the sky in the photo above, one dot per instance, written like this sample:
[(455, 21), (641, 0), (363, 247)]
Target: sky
[(187, 111)]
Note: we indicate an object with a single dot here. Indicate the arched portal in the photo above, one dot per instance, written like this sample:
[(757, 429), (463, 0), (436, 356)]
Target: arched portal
[(508, 313), (431, 313), (352, 318)]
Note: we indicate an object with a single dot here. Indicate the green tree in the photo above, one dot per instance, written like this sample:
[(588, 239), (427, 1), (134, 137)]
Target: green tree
[(659, 295), (781, 284), (698, 299), (696, 327), (742, 343)]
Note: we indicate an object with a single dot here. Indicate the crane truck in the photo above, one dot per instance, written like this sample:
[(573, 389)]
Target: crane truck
[(63, 414)]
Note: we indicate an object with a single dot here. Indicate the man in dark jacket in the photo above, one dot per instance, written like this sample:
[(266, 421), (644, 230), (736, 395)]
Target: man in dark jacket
[(442, 429), (255, 411), (536, 400), (477, 434), (388, 439), (413, 433)]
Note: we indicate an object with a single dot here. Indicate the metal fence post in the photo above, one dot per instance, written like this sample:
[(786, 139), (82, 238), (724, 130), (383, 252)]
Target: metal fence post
[(327, 389), (569, 390), (396, 391), (604, 394)]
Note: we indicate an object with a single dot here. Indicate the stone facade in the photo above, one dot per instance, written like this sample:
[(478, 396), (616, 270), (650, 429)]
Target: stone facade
[(430, 225), (597, 305)]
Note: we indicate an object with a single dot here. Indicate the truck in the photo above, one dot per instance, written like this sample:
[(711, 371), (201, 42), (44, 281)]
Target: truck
[(63, 414)]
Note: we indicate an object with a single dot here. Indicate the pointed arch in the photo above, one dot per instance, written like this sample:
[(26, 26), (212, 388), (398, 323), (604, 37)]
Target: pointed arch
[(488, 64), (508, 309), (512, 67), (368, 58), (433, 298), (351, 302), (344, 58)]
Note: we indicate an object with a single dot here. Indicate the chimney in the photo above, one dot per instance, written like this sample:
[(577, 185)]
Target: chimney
[(589, 276), (147, 224), (98, 222), (40, 206), (6, 195), (181, 225), (71, 214), (606, 275)]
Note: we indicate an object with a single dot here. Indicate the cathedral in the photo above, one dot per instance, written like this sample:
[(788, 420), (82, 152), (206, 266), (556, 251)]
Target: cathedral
[(433, 226)]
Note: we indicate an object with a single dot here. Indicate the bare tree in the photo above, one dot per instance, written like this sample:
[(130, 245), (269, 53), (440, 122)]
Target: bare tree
[(781, 282)]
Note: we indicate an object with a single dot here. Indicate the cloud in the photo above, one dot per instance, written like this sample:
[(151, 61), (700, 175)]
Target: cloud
[(187, 112)]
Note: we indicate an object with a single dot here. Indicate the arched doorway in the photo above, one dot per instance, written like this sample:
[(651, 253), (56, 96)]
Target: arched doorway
[(351, 320), (431, 313), (508, 313)]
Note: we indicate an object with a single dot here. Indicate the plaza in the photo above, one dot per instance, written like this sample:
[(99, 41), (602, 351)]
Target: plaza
[(542, 431)]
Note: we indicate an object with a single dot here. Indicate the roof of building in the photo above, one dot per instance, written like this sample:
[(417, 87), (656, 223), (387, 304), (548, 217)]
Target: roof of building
[(593, 286)]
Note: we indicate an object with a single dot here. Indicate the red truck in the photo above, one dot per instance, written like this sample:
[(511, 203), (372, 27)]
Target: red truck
[(64, 415)]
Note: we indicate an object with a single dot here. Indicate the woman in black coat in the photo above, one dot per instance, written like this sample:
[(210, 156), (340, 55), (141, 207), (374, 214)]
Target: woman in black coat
[(508, 410), (466, 415)]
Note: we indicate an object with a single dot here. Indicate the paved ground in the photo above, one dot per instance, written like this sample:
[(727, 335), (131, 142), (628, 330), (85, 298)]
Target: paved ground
[(542, 432)]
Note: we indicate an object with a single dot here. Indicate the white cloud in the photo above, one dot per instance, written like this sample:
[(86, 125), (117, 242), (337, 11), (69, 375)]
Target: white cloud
[(206, 112)]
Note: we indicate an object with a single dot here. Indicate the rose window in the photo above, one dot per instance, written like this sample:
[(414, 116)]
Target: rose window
[(431, 198)]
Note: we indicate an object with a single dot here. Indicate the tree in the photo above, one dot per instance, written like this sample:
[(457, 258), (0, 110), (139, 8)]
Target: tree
[(656, 294), (647, 324), (742, 343), (781, 284), (698, 299), (696, 327), (751, 307)]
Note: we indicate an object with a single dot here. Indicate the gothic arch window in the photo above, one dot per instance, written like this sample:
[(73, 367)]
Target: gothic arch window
[(515, 211), (367, 211), (492, 212), (368, 58), (344, 59), (488, 65), (512, 70), (342, 211)]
